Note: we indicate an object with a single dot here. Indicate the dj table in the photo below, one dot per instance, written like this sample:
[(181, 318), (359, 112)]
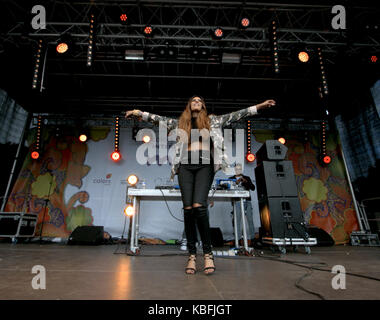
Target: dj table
[(174, 194)]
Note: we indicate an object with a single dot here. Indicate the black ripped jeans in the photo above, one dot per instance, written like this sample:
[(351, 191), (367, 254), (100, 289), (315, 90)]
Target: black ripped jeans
[(195, 181)]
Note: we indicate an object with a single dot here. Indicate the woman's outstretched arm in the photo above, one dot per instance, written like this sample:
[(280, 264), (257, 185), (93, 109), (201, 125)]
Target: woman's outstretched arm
[(228, 118), (153, 118)]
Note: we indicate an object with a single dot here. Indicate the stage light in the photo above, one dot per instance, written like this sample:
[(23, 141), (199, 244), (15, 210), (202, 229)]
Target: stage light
[(303, 56), (323, 73), (91, 40), (62, 47), (231, 57), (199, 53), (281, 140), (129, 210), (146, 139), (250, 157), (134, 54), (245, 23), (204, 53), (195, 52), (115, 156), (35, 155), (148, 31), (218, 33), (166, 52), (374, 59), (133, 179), (273, 37), (37, 65), (83, 138), (64, 44), (171, 52), (123, 19), (327, 159), (248, 136)]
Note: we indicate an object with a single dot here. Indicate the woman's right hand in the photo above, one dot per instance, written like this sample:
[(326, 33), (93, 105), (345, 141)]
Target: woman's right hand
[(135, 112)]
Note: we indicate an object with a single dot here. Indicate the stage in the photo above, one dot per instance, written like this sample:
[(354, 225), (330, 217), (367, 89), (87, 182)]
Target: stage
[(95, 272)]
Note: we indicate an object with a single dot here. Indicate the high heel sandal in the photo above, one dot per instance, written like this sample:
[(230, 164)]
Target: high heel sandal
[(191, 270), (209, 256)]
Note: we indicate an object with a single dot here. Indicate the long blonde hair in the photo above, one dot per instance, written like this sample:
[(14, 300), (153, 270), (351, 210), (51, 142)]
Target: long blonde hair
[(203, 121)]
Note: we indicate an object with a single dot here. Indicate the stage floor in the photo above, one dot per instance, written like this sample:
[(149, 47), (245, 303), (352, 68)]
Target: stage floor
[(95, 272)]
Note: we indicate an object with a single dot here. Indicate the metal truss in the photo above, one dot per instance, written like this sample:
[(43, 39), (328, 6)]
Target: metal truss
[(96, 120), (183, 25), (188, 24)]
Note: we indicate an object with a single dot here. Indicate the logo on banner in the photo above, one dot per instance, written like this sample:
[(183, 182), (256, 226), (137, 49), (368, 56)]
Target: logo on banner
[(106, 181)]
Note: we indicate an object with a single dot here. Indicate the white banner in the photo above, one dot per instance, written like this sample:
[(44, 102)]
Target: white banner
[(106, 186)]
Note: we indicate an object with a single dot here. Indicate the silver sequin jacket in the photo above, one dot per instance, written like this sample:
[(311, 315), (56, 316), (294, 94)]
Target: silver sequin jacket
[(216, 134)]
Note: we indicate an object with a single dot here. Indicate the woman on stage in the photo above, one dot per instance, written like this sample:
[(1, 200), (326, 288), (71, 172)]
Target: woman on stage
[(195, 166)]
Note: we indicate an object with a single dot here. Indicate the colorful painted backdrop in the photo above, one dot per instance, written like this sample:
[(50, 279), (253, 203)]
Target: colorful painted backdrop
[(41, 184), (323, 191)]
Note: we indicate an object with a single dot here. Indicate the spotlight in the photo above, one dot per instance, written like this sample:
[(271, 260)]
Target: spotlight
[(124, 19), (374, 58), (204, 53), (273, 35), (195, 52), (248, 137), (303, 56), (115, 156), (281, 140), (326, 159), (166, 52), (129, 210), (62, 47), (117, 133), (35, 155), (83, 138), (134, 54), (172, 52), (245, 23), (250, 157), (148, 31), (133, 179), (91, 40), (218, 33), (162, 52), (146, 139), (64, 44), (37, 65), (231, 57), (323, 73)]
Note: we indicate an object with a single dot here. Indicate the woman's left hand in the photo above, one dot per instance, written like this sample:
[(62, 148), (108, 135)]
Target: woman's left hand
[(266, 104)]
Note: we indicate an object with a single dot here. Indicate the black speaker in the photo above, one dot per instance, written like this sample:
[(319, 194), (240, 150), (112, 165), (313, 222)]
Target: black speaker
[(87, 235), (271, 150), (216, 237), (282, 217), (323, 238), (275, 179)]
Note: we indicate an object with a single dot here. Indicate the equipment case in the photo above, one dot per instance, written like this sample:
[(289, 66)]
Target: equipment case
[(17, 224)]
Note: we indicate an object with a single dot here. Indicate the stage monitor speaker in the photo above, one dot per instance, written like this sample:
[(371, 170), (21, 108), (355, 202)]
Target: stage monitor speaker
[(282, 217), (323, 238), (87, 235), (275, 179), (216, 237), (271, 150)]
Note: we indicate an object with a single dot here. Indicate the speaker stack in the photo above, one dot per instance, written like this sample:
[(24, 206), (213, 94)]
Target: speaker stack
[(281, 216)]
